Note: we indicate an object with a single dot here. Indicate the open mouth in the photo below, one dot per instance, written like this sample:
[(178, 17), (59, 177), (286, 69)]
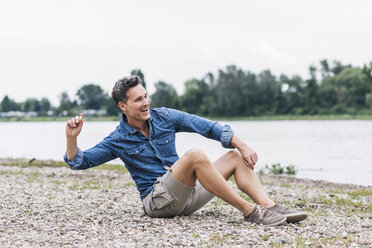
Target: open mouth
[(145, 111)]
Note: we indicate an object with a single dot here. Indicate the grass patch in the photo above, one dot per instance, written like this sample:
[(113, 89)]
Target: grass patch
[(217, 202), (219, 239), (245, 197), (91, 185), (320, 212), (74, 186), (338, 241), (24, 163), (34, 176), (195, 235), (277, 245), (267, 183), (341, 202), (355, 194), (322, 199), (129, 184), (28, 211), (299, 242), (286, 185), (112, 167), (303, 202), (348, 202), (3, 172), (58, 182)]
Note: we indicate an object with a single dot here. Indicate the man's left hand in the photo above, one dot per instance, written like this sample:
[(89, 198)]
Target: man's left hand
[(249, 157)]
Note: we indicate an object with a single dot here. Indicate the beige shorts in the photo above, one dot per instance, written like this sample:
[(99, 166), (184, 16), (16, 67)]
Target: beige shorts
[(169, 197)]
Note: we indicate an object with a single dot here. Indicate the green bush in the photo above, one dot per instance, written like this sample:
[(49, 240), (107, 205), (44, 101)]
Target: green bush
[(277, 169)]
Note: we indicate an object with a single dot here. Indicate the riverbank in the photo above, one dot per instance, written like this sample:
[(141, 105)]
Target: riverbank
[(239, 118), (44, 203)]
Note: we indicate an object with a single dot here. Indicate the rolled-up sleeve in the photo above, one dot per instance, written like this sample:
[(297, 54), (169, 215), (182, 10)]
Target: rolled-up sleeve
[(99, 154), (184, 122), (226, 136), (76, 161)]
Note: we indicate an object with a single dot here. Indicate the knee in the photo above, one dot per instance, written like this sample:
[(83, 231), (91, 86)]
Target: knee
[(234, 154), (196, 156), (235, 159)]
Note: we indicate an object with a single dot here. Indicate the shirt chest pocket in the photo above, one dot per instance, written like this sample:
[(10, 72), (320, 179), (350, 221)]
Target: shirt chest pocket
[(165, 140), (138, 150), (166, 145)]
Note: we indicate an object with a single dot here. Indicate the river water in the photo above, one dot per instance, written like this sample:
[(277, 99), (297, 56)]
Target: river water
[(336, 151)]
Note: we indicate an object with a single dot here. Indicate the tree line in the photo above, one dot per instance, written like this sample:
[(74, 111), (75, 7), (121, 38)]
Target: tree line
[(331, 88)]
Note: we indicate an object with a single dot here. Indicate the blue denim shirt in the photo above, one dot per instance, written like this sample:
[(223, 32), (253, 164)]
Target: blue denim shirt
[(146, 159)]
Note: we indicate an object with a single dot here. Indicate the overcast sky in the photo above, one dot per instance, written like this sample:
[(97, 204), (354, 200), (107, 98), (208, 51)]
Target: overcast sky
[(50, 46)]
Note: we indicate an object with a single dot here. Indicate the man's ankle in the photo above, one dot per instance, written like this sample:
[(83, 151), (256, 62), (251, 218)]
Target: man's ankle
[(249, 209), (267, 205), (248, 213)]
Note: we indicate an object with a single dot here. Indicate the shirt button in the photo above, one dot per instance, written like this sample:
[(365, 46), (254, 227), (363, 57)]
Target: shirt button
[(166, 141), (136, 151)]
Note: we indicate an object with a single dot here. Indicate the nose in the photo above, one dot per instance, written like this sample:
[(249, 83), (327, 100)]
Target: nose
[(146, 102)]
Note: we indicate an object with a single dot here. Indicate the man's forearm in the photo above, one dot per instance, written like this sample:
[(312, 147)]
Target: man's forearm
[(238, 143), (71, 147)]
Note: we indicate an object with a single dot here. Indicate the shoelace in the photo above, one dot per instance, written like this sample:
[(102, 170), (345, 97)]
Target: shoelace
[(261, 211)]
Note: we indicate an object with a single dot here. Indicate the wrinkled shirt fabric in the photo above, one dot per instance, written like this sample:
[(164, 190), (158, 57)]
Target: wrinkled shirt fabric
[(148, 158)]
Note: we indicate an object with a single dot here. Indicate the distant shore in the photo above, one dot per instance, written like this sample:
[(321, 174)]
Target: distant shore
[(241, 118), (44, 203)]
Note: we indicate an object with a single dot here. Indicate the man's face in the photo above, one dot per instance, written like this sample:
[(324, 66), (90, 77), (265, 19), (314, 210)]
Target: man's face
[(138, 104)]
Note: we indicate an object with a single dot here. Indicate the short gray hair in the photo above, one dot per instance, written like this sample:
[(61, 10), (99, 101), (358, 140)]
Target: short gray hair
[(119, 92)]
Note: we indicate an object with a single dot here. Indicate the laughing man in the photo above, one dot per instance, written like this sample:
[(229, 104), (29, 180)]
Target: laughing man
[(168, 185)]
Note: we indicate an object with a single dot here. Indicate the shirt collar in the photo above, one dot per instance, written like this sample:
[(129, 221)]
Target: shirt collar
[(128, 129), (125, 127)]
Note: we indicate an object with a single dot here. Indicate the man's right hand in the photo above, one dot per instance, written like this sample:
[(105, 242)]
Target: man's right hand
[(74, 126)]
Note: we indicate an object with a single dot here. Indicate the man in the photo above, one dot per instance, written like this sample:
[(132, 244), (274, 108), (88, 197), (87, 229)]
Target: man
[(169, 185)]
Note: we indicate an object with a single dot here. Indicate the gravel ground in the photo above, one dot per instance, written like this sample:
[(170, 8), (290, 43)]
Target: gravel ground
[(53, 206)]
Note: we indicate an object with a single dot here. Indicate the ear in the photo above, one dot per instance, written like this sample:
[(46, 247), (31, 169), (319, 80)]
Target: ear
[(122, 106)]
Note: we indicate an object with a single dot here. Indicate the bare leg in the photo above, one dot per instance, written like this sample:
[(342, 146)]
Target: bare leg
[(195, 165), (247, 181)]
